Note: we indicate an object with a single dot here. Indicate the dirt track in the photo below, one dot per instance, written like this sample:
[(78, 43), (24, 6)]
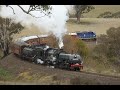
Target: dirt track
[(17, 66)]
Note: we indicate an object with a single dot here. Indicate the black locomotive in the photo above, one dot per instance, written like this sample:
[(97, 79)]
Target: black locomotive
[(58, 58)]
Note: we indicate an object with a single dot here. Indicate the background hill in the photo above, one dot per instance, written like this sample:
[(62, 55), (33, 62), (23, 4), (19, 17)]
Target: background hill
[(99, 9)]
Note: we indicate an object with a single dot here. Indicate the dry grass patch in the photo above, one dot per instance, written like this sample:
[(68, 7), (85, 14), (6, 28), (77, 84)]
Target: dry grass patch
[(97, 25)]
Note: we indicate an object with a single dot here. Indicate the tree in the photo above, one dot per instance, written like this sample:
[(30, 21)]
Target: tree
[(7, 29), (109, 15), (106, 15), (41, 8), (109, 45), (69, 42), (52, 41), (80, 9), (75, 45)]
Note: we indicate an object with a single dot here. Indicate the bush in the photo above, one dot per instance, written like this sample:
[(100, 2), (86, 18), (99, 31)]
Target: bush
[(105, 15), (75, 45), (116, 15), (82, 48), (69, 44), (109, 15), (52, 41), (109, 45)]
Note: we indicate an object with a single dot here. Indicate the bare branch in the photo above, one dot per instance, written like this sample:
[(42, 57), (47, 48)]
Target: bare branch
[(33, 9), (23, 9), (29, 9), (12, 9)]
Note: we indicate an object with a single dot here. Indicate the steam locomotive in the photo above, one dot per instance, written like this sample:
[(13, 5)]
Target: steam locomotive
[(43, 54)]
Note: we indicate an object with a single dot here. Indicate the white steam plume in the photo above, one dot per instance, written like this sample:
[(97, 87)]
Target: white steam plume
[(55, 23)]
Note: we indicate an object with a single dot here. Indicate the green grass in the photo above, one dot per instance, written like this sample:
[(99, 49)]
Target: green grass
[(5, 75)]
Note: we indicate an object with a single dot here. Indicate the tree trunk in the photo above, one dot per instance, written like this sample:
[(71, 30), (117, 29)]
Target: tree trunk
[(5, 53), (7, 49), (78, 18)]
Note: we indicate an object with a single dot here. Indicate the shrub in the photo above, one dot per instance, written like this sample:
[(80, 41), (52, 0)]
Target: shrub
[(109, 15), (75, 45), (109, 45), (52, 41), (105, 15), (82, 48), (69, 44)]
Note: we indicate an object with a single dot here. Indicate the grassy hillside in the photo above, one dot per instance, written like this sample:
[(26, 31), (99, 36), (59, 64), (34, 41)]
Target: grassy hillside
[(99, 26), (101, 9)]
